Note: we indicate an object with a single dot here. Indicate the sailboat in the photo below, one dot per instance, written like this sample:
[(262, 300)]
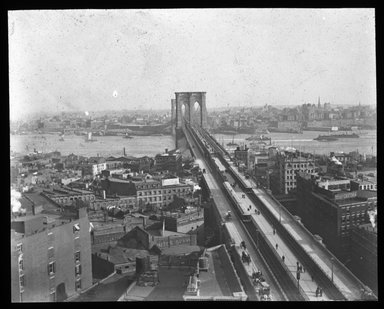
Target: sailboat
[(233, 142), (88, 137)]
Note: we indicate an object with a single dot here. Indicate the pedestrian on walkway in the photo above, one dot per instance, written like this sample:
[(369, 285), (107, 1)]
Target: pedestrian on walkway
[(303, 268), (283, 257), (274, 231), (312, 277), (277, 246), (317, 292), (321, 292)]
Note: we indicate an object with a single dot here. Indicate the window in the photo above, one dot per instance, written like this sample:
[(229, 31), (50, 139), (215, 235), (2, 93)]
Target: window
[(52, 296), (50, 236), (76, 228), (78, 270), (22, 281), (78, 285), (21, 264), (51, 268), (51, 252), (77, 256), (19, 248)]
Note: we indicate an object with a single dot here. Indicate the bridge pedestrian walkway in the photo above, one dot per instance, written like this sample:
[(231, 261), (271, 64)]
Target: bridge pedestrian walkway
[(345, 281), (307, 283), (349, 286)]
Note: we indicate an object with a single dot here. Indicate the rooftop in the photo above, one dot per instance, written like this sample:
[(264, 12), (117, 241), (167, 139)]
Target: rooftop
[(221, 278), (66, 191), (109, 290), (180, 250), (164, 233), (117, 254)]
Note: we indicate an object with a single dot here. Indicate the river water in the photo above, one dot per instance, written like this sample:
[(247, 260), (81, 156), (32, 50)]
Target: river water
[(305, 142), (104, 145), (152, 145)]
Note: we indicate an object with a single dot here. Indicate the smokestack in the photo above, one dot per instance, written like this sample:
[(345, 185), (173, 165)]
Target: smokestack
[(372, 214), (15, 203), (124, 152), (163, 229)]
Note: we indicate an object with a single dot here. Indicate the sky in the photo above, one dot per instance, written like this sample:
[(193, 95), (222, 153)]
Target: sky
[(88, 60)]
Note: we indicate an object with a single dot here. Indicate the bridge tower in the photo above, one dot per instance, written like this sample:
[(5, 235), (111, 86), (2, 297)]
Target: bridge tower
[(173, 116), (188, 101)]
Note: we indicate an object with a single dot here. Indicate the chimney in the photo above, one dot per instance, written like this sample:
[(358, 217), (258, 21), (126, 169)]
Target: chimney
[(33, 208), (166, 150), (104, 195), (162, 231), (144, 223)]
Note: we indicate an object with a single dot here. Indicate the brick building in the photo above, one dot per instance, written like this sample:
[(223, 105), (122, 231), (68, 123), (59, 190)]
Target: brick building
[(184, 222), (288, 164), (50, 257), (146, 239), (125, 203), (67, 196), (169, 161), (150, 193), (329, 209), (243, 154), (363, 254)]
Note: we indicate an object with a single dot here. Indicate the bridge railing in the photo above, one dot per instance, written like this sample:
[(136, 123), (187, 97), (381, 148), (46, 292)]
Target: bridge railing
[(308, 261), (304, 230)]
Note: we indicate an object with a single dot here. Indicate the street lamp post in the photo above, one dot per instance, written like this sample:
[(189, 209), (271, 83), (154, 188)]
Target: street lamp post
[(298, 279)]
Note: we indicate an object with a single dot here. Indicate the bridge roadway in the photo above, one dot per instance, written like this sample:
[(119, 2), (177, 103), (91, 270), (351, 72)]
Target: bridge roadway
[(348, 285), (223, 207), (306, 283)]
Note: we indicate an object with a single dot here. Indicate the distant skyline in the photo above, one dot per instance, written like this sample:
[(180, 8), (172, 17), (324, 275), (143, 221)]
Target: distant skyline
[(85, 60)]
